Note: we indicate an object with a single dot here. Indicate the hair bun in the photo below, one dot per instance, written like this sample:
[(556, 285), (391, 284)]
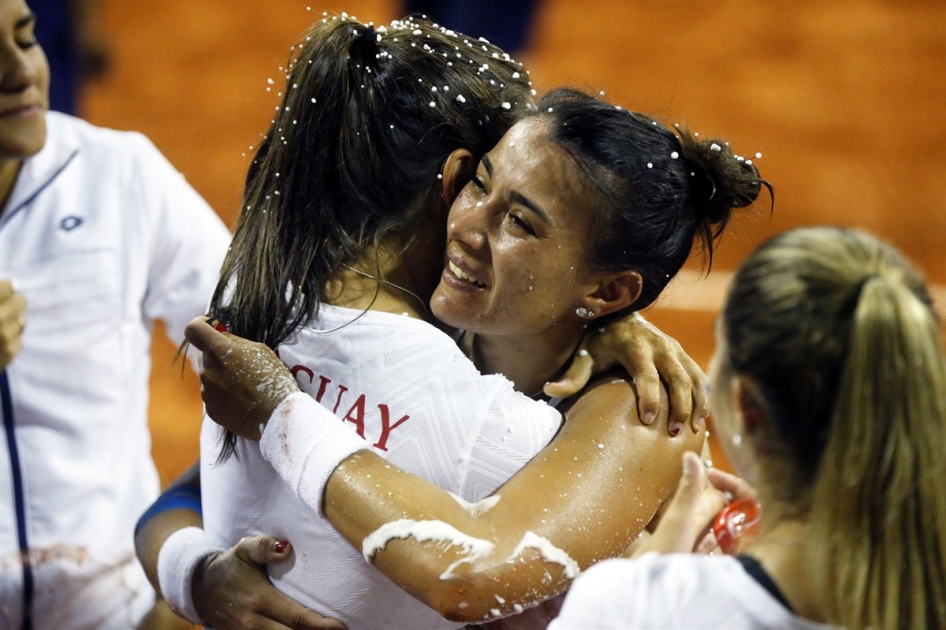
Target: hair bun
[(720, 180)]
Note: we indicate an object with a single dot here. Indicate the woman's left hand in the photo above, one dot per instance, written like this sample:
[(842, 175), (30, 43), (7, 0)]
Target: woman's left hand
[(685, 525), (648, 355), (241, 381)]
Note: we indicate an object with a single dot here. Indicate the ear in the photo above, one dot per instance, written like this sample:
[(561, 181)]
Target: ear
[(751, 413), (615, 291), (457, 171)]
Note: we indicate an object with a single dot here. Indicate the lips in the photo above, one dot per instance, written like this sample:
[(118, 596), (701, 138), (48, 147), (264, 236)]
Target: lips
[(23, 110), (462, 275)]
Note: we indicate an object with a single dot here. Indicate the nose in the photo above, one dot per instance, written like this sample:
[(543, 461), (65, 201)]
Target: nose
[(17, 70), (469, 221)]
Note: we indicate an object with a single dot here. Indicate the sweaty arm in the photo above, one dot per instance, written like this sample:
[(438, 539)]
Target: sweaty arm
[(582, 499)]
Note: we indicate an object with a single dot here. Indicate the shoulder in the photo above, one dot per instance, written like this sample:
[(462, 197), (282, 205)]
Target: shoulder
[(64, 128)]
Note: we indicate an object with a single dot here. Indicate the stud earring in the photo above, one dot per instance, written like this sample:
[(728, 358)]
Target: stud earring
[(581, 311)]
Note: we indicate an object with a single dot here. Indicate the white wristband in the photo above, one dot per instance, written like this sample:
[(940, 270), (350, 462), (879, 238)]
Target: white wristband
[(305, 442), (177, 560)]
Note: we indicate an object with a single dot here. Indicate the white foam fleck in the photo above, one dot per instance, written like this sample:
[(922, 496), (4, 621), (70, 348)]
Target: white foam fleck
[(480, 507), (425, 531), (549, 552)]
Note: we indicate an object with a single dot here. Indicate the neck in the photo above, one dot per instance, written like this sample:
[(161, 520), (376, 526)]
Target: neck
[(388, 279), (529, 361), (782, 548), (9, 170), (399, 275)]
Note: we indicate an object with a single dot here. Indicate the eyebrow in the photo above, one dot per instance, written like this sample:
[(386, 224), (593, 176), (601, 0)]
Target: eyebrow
[(517, 196), (25, 21)]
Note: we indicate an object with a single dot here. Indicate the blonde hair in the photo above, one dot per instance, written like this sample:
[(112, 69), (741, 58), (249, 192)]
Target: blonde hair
[(838, 334)]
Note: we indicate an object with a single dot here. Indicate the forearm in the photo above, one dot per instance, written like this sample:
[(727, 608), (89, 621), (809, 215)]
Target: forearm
[(466, 567), (175, 509), (578, 501)]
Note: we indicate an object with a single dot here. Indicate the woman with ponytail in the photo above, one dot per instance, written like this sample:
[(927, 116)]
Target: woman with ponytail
[(829, 394)]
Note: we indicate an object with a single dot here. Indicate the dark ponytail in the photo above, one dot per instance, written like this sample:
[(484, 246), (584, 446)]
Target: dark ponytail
[(368, 118)]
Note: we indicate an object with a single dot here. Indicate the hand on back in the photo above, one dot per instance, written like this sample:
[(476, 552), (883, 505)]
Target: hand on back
[(651, 358), (241, 381)]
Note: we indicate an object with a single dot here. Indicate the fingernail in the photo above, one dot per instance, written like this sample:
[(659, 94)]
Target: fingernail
[(219, 327), (675, 428), (649, 417), (280, 546), (691, 464), (699, 425)]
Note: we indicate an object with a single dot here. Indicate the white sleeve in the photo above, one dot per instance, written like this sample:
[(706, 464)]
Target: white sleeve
[(188, 241)]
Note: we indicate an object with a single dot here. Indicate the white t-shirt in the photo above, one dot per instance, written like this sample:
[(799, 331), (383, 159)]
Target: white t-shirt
[(409, 391), (673, 591), (102, 236)]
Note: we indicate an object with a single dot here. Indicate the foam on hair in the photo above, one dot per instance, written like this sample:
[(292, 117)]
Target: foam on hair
[(662, 190), (368, 117)]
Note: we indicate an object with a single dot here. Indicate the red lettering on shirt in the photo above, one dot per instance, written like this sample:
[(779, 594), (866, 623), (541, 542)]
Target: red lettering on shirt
[(359, 419), (301, 368), (341, 390), (322, 383), (356, 414), (387, 427)]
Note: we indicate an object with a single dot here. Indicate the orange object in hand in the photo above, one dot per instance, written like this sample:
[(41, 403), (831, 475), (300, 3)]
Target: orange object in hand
[(736, 524)]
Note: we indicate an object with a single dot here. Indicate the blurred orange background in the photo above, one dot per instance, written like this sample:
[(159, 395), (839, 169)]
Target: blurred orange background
[(844, 99)]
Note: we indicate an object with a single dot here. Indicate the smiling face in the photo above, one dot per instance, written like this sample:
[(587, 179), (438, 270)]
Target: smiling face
[(517, 239), (24, 83)]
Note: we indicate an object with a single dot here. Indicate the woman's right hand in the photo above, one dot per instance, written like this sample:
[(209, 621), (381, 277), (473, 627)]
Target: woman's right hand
[(231, 591), (241, 381), (652, 358)]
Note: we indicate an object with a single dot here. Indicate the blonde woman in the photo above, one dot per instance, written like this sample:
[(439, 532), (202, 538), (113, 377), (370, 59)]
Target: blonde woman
[(829, 393)]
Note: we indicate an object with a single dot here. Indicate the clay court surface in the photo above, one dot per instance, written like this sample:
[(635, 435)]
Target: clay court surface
[(843, 98)]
